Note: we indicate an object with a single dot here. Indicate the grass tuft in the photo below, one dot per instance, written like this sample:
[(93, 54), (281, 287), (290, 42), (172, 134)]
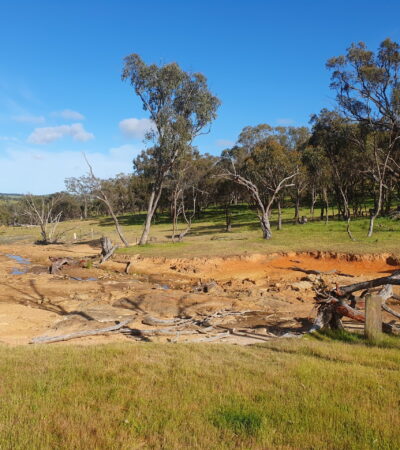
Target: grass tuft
[(238, 419)]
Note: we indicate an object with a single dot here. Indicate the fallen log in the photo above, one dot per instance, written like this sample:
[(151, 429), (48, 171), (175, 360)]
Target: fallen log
[(157, 332), (318, 272), (79, 334), (149, 320), (334, 307), (389, 310), (210, 338), (349, 289)]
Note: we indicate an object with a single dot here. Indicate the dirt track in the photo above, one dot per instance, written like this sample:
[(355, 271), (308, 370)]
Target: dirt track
[(38, 303)]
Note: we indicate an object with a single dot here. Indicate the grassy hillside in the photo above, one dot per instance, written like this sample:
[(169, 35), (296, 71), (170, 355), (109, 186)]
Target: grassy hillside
[(312, 393)]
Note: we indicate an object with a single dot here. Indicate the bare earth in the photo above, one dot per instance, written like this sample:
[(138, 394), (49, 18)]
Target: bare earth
[(277, 298)]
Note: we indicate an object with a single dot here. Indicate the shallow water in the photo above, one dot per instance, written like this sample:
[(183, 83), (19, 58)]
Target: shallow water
[(18, 272), (19, 259), (83, 279)]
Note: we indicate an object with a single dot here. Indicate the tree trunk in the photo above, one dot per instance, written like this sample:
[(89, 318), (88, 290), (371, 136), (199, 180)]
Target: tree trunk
[(146, 230), (313, 201), (279, 226), (174, 215), (377, 210), (118, 228), (151, 209), (265, 225), (297, 208), (228, 219), (325, 195)]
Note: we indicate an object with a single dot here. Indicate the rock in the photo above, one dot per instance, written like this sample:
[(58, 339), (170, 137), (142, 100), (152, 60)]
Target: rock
[(302, 286), (311, 277)]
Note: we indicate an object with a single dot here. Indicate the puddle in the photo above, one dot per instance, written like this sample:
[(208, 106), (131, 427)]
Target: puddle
[(18, 272), (83, 279), (19, 259)]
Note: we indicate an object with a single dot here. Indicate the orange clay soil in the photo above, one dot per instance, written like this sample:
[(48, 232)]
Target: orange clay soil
[(37, 303)]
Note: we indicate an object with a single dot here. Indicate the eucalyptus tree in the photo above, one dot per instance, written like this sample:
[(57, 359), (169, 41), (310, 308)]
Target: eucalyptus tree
[(180, 106), (80, 186), (319, 177), (264, 166), (368, 92), (334, 134)]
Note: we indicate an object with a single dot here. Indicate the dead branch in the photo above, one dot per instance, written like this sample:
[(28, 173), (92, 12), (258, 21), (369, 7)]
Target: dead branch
[(157, 332), (79, 334), (149, 320), (214, 338), (346, 290), (318, 272)]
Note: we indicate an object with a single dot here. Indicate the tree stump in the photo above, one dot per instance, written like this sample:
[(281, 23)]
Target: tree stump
[(107, 249)]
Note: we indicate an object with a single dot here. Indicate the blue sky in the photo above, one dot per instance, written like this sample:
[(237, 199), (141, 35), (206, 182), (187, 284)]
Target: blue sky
[(61, 61)]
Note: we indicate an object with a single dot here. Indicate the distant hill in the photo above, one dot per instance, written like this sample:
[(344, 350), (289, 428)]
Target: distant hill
[(10, 196)]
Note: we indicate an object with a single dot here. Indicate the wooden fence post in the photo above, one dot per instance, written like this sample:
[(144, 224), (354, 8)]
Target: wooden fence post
[(373, 317)]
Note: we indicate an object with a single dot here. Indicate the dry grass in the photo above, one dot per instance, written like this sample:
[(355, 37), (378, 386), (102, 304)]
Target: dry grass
[(313, 393)]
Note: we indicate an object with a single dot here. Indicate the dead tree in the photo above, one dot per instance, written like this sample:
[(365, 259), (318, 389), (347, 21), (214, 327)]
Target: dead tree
[(188, 218), (107, 249), (341, 302), (99, 193), (41, 212)]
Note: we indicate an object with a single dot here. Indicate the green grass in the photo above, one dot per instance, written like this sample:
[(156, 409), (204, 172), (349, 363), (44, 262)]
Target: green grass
[(208, 238), (317, 392)]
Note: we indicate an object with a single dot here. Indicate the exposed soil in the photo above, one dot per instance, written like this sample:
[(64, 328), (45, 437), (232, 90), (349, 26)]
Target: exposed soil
[(34, 302)]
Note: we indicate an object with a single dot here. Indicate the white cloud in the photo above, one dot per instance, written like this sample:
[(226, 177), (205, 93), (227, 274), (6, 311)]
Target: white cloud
[(8, 139), (27, 170), (69, 114), (28, 118), (46, 135), (285, 121), (225, 143), (136, 128)]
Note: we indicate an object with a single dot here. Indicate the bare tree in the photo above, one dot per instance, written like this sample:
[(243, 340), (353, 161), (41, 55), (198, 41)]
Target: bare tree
[(99, 193), (40, 211)]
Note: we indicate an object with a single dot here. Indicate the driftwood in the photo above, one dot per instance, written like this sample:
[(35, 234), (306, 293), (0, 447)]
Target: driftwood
[(107, 249), (149, 320), (58, 263), (216, 337), (79, 334), (392, 279), (157, 332), (318, 272), (334, 305)]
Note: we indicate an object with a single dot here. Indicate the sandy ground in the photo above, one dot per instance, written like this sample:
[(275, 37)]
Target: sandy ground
[(35, 303)]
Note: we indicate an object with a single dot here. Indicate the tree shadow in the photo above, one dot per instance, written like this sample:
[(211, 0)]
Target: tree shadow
[(35, 299)]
